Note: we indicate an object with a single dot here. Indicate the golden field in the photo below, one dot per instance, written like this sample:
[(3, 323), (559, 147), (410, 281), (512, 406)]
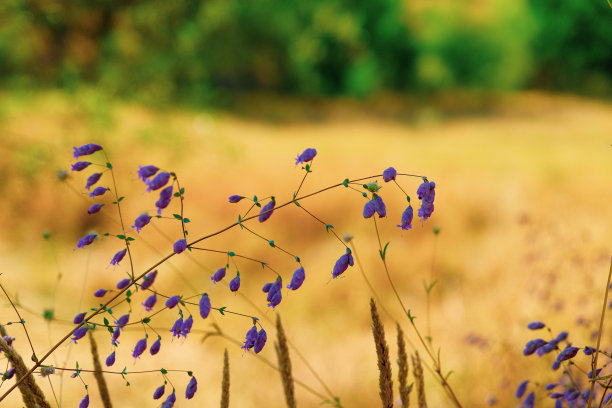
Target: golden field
[(522, 203)]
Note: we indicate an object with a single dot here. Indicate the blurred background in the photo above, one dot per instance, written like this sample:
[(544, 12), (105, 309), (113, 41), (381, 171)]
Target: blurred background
[(506, 106)]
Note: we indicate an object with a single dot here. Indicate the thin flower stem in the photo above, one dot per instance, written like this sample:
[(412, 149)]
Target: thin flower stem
[(21, 321), (267, 240), (118, 372), (181, 200), (324, 223)]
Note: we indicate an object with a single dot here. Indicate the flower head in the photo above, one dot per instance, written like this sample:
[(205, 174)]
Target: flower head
[(567, 353), (204, 306), (306, 156), (94, 208), (78, 319), (172, 301), (141, 221), (260, 342), (342, 264), (118, 257), (100, 292), (407, 218), (158, 181), (148, 280), (267, 210), (9, 374), (427, 194), (165, 196), (529, 401), (155, 347), (98, 191), (93, 179), (140, 347), (186, 326), (150, 302), (159, 392), (235, 283), (86, 240), (144, 172), (176, 327), (235, 198), (217, 276), (85, 150), (180, 246), (123, 283), (274, 294), (110, 360), (380, 207), (297, 279), (535, 325), (123, 320), (80, 165), (520, 390), (251, 338), (389, 174), (79, 333), (369, 209), (84, 402), (533, 345), (191, 388), (170, 400)]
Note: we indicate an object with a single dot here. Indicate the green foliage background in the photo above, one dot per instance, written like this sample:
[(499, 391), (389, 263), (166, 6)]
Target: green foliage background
[(198, 51)]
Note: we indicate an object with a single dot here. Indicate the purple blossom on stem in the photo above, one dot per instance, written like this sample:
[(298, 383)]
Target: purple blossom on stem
[(165, 196), (172, 301), (369, 209), (170, 400), (86, 149), (266, 287), (389, 174), (251, 338), (267, 210), (140, 347), (529, 401), (78, 319), (520, 391), (122, 321), (191, 388), (180, 246), (123, 283), (148, 280), (110, 360), (80, 165), (93, 179), (98, 191), (379, 205), (217, 276), (116, 334), (306, 156), (9, 374), (532, 346), (141, 221), (144, 172), (118, 257), (342, 264), (407, 218), (84, 402), (86, 240), (9, 340), (159, 392), (150, 302), (158, 181), (94, 208), (79, 333), (535, 325), (176, 327), (297, 279), (186, 326), (204, 306), (567, 353), (588, 350), (100, 292), (275, 299), (235, 198), (427, 194), (260, 342), (155, 347), (235, 283)]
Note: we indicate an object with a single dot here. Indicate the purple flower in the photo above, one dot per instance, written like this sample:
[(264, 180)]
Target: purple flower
[(379, 205), (172, 301), (155, 347), (100, 292), (251, 338), (275, 299), (217, 276), (148, 280), (369, 209), (79, 333), (170, 400), (274, 294), (9, 340), (78, 319), (176, 327), (180, 246), (588, 350), (567, 353), (85, 150), (116, 334), (550, 386), (342, 264), (165, 196), (150, 302), (520, 391), (144, 172), (98, 191), (235, 198), (118, 257), (535, 325), (267, 210), (186, 326), (204, 306), (110, 360), (266, 287), (235, 283), (159, 392), (406, 218), (389, 174), (191, 388), (86, 240), (94, 208), (123, 320), (140, 347), (158, 181), (84, 402), (81, 165), (93, 179), (529, 401), (532, 346), (141, 221), (297, 279), (561, 337), (260, 342), (306, 156), (9, 374), (426, 193)]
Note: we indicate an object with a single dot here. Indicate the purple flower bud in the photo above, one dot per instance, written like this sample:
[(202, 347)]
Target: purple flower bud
[(78, 319), (251, 338), (204, 306), (180, 246), (172, 301), (407, 218), (100, 292), (159, 392), (140, 347), (260, 342), (297, 279), (556, 365), (267, 210), (550, 386), (266, 287), (144, 172), (426, 193), (9, 340), (561, 337), (116, 334), (588, 350), (148, 280), (118, 257), (369, 209), (276, 287), (123, 320), (79, 333), (220, 274), (547, 348), (532, 346), (94, 208), (93, 179), (535, 325), (556, 395), (170, 400), (165, 196), (81, 165), (158, 181), (235, 283), (235, 198), (85, 150), (342, 264), (176, 327), (529, 401), (150, 302), (84, 402), (110, 360), (275, 299), (389, 174), (9, 374), (191, 388), (123, 283), (86, 240), (520, 391), (186, 326), (590, 374), (98, 191), (380, 207), (306, 156), (567, 353), (155, 347), (141, 221), (571, 396)]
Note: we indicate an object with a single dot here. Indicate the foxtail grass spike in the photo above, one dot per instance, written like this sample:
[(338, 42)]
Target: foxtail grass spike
[(417, 371), (402, 363), (225, 384), (102, 387), (382, 353), (284, 364)]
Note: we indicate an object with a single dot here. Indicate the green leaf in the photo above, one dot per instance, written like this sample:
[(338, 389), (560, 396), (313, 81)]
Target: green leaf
[(230, 253), (255, 320), (186, 220), (449, 374), (106, 322), (328, 226), (46, 234), (106, 234), (34, 358), (429, 287), (190, 373), (182, 190), (128, 293), (271, 242), (48, 314), (177, 216), (146, 320), (110, 166), (411, 317), (255, 199), (176, 195), (297, 259), (240, 221), (222, 310), (121, 236), (308, 168), (345, 183), (121, 198), (364, 194), (164, 371), (130, 239)]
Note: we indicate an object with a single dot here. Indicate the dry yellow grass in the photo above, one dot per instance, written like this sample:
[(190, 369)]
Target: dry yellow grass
[(523, 204)]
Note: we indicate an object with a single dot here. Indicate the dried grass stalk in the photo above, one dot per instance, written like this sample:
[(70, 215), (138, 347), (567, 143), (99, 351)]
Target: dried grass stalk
[(102, 387), (382, 352), (284, 364), (225, 384), (417, 371), (402, 363)]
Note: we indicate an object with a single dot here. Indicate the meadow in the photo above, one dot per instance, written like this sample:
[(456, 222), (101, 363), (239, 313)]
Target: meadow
[(522, 206)]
